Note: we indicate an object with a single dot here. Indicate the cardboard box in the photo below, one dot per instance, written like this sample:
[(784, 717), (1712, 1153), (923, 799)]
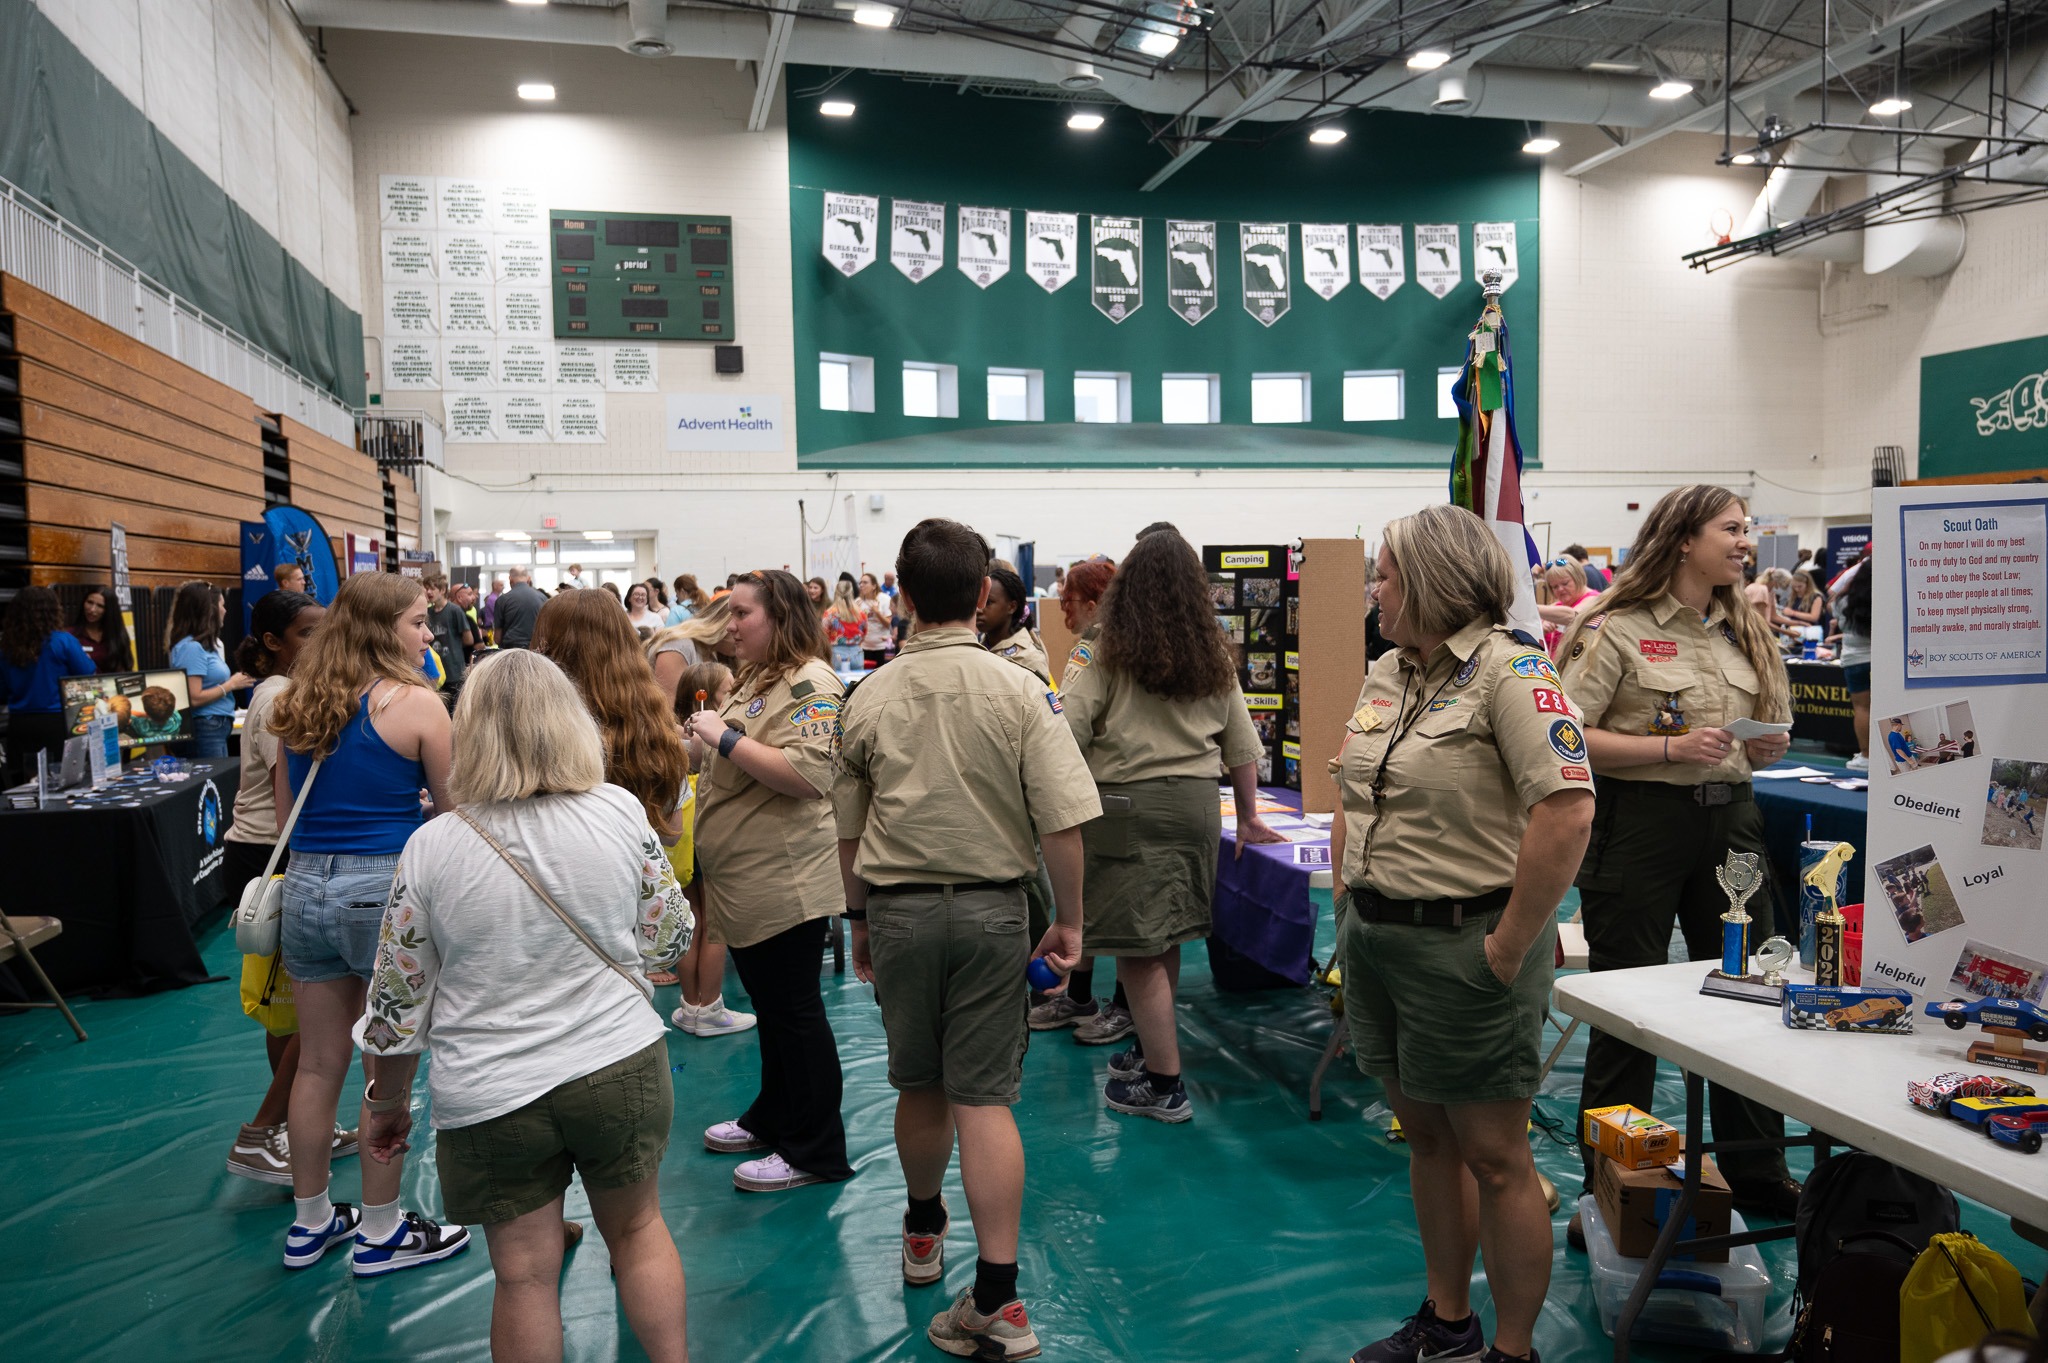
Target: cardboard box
[(1850, 1008), (1634, 1204), (1631, 1137)]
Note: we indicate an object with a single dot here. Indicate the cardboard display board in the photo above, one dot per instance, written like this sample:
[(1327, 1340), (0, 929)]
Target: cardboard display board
[(1331, 656), (1252, 588), (1958, 753), (1052, 629)]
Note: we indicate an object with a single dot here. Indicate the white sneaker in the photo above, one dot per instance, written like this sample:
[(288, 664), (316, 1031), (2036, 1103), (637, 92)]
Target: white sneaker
[(770, 1174), (715, 1019), (685, 1017), (1860, 762), (730, 1138)]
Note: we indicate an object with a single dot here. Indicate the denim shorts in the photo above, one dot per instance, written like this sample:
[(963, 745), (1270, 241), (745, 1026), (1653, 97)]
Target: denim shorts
[(1856, 678), (333, 911), (210, 735)]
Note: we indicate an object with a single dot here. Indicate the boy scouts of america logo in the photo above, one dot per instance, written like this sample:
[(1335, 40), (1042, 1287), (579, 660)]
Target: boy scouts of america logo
[(759, 704), (1914, 657), (1467, 672)]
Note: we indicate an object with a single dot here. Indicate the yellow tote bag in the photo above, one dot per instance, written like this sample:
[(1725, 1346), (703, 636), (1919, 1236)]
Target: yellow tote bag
[(1958, 1291), (267, 995), (682, 858)]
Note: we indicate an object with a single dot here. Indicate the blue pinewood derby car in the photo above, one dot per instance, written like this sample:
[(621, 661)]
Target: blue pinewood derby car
[(2017, 1014)]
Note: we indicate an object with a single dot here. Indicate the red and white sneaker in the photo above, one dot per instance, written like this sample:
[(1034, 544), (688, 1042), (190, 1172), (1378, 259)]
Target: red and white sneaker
[(924, 1256), (966, 1332)]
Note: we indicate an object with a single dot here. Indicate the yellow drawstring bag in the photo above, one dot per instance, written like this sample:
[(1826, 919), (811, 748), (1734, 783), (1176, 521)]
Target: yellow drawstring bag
[(267, 994), (1958, 1291)]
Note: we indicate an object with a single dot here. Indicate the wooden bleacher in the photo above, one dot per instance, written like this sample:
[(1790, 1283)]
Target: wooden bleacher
[(114, 430)]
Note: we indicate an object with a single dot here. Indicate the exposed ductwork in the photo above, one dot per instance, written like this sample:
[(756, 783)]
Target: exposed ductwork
[(1923, 248), (649, 20)]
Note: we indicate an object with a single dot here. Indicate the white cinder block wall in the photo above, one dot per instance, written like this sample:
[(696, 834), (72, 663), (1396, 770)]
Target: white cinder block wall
[(1653, 374)]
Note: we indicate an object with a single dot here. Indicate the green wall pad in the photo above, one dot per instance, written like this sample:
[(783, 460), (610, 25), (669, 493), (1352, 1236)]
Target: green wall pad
[(1247, 1233)]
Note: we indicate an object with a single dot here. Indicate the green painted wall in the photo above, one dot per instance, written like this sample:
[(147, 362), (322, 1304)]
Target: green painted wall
[(1984, 410), (927, 142), (73, 141)]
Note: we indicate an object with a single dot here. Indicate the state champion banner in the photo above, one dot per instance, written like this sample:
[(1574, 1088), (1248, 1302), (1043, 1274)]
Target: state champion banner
[(1117, 266), (1191, 269), (1326, 258), (1264, 271), (917, 238), (1051, 241), (850, 226), (983, 244)]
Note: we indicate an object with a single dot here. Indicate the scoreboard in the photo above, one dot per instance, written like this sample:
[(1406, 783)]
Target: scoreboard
[(641, 278)]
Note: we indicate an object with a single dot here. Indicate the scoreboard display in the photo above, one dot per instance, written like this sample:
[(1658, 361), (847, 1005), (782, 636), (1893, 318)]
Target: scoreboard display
[(639, 278)]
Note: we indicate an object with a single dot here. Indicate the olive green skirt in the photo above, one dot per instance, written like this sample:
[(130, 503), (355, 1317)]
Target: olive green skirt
[(1151, 868)]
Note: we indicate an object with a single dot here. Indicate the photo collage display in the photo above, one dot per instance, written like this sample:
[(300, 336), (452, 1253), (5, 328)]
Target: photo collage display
[(1254, 591)]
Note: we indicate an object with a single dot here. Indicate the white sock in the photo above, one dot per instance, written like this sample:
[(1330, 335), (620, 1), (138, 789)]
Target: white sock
[(380, 1223), (713, 1008), (314, 1212)]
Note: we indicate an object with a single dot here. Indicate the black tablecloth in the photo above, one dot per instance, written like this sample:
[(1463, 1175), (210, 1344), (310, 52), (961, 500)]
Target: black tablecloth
[(1820, 705), (1837, 815), (132, 886)]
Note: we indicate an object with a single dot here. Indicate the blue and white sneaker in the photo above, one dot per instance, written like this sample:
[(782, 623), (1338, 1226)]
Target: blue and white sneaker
[(416, 1241), (304, 1248), (1143, 1096)]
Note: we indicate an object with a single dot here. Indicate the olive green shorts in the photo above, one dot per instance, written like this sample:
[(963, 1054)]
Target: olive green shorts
[(611, 1126), (1425, 1009), (1151, 865), (949, 975)]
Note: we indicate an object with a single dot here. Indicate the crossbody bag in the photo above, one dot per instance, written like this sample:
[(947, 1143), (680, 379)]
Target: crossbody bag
[(643, 990)]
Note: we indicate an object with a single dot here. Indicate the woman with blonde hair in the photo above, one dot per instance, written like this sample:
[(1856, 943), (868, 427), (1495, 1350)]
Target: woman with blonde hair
[(1563, 582), (361, 707), (1672, 655), (697, 639), (843, 627), (769, 852), (504, 953)]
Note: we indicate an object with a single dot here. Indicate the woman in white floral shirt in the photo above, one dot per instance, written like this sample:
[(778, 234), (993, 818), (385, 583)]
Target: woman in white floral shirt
[(546, 1058)]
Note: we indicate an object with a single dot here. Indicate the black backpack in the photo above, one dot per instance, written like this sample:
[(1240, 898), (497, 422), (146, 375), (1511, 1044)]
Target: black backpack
[(1861, 1223)]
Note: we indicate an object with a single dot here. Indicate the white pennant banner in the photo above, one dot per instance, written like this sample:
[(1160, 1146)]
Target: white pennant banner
[(1493, 248), (1382, 259), (917, 238), (850, 227), (1326, 258), (1049, 244), (982, 243), (1436, 257)]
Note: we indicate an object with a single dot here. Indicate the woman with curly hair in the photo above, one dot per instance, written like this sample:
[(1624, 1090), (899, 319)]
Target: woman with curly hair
[(101, 631), (1157, 712), (768, 849), (360, 704), (34, 654)]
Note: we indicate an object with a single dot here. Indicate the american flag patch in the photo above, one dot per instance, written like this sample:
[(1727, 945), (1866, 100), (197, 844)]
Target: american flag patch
[(1052, 699)]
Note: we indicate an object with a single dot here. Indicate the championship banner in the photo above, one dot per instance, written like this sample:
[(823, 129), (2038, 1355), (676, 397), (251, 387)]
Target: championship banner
[(1264, 271), (1116, 278), (1493, 248), (1436, 257), (982, 247), (917, 238), (1382, 260), (849, 240), (1191, 269), (1050, 240), (1325, 257)]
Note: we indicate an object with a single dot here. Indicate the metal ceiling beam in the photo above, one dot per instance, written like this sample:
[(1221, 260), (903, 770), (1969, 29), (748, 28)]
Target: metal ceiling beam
[(768, 71), (1923, 20)]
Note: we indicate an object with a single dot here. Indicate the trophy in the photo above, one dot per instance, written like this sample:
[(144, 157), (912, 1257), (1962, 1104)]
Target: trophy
[(1774, 955), (1829, 923), (1740, 877)]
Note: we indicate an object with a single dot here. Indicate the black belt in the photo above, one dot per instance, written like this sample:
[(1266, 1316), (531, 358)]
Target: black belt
[(1372, 907), (1711, 794), (924, 887)]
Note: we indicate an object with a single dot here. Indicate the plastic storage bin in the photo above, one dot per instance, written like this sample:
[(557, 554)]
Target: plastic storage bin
[(1709, 1306)]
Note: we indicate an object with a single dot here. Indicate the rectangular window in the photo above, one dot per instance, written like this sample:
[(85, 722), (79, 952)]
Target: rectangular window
[(1372, 395), (1102, 397), (1016, 395), (931, 389), (1189, 399), (1445, 380), (846, 383), (1279, 398)]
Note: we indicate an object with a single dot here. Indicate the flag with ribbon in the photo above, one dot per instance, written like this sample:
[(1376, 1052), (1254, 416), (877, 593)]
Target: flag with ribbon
[(1486, 470)]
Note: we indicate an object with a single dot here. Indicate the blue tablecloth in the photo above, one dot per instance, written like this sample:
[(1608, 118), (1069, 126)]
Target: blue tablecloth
[(1263, 909), (1838, 816)]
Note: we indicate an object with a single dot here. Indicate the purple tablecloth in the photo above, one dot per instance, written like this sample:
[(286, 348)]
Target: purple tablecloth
[(1263, 909)]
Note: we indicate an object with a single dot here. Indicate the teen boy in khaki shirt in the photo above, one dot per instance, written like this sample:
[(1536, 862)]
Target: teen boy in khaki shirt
[(948, 758)]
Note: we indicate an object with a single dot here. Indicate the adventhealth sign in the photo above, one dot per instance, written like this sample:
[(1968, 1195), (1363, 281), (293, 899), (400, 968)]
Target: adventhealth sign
[(717, 422), (1984, 410)]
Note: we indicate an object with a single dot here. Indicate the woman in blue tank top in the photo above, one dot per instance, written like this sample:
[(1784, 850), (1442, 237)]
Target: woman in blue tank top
[(359, 702)]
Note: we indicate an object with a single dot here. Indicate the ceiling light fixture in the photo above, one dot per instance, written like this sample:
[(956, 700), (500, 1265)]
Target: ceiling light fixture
[(1742, 158), (836, 108), (1326, 136), (1614, 68), (874, 16), (529, 2), (1155, 42), (1891, 107), (1540, 146), (1084, 122), (537, 90), (1429, 59), (1671, 88), (600, 536)]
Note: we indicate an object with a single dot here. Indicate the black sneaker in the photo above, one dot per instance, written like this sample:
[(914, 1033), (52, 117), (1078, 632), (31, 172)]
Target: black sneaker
[(1423, 1338), (1142, 1096), (1128, 1064), (1496, 1356)]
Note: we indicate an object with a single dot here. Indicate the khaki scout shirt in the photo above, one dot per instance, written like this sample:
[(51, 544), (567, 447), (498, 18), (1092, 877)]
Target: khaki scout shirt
[(1470, 740), (1656, 669), (1083, 655), (770, 861), (1130, 734), (1023, 649), (949, 756)]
